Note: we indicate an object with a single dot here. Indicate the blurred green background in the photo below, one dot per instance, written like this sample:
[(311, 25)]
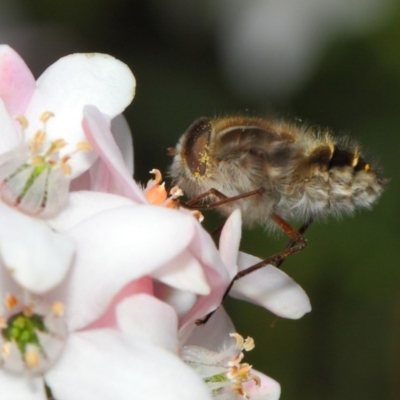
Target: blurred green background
[(335, 64)]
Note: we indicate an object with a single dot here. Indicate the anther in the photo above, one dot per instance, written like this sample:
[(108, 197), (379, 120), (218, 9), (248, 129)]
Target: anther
[(46, 116), (11, 301), (57, 308), (22, 121), (83, 146)]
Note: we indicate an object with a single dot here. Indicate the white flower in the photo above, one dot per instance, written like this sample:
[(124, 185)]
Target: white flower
[(47, 147), (218, 360), (62, 328)]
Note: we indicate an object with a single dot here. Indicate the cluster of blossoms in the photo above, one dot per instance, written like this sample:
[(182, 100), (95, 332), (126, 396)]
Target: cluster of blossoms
[(101, 281)]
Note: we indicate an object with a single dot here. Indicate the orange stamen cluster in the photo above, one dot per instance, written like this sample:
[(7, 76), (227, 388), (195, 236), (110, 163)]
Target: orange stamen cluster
[(156, 194)]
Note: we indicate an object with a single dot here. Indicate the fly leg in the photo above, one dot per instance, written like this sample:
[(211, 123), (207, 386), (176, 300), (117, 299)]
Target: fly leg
[(297, 243)]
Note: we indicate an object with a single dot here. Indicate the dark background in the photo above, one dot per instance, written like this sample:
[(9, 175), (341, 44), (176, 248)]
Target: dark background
[(181, 55)]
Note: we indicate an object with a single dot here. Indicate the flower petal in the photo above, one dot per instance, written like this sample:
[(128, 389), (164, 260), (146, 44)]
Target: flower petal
[(118, 246), (80, 79), (212, 334), (104, 365), (83, 205), (21, 388), (97, 129), (181, 301), (9, 136), (145, 318), (70, 84), (123, 138), (184, 272), (37, 258), (271, 288), (269, 389), (17, 83), (230, 240)]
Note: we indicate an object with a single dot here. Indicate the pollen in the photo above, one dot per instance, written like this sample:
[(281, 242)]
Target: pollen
[(203, 156), (355, 161)]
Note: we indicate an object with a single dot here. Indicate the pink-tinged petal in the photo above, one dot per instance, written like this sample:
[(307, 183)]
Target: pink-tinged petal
[(212, 334), (181, 301), (17, 83), (203, 306), (184, 272), (36, 257), (230, 240), (271, 288), (70, 84), (83, 205), (103, 364), (118, 246), (9, 136), (97, 129), (269, 389), (82, 182), (217, 276), (21, 387), (145, 318), (109, 318), (123, 138)]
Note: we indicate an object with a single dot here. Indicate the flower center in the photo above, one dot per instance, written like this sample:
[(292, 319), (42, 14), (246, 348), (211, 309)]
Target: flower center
[(34, 177), (223, 371), (32, 335)]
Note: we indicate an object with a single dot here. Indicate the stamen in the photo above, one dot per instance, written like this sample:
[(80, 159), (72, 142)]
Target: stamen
[(249, 344), (58, 308), (54, 147), (239, 340), (37, 141), (223, 372), (31, 357), (46, 116), (157, 194), (11, 301), (83, 146), (37, 160), (158, 177), (198, 215), (66, 169), (22, 121), (6, 350), (28, 310), (32, 336), (176, 192), (256, 379)]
